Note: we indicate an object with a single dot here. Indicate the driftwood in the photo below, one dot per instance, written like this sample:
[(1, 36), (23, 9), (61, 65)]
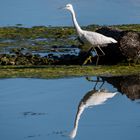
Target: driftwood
[(128, 43)]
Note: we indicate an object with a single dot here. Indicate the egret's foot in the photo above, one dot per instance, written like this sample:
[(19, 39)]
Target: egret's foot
[(88, 59)]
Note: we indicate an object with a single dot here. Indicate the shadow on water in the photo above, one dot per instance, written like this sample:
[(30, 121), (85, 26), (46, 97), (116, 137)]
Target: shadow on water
[(128, 85)]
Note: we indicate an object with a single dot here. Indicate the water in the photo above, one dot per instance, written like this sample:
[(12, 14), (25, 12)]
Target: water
[(39, 109), (45, 12)]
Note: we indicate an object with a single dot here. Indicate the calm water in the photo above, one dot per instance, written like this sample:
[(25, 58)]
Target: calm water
[(39, 109), (45, 12)]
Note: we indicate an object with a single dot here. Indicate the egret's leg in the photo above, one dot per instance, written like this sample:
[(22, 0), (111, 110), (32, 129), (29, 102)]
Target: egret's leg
[(97, 56), (95, 81), (89, 58), (101, 84), (101, 50)]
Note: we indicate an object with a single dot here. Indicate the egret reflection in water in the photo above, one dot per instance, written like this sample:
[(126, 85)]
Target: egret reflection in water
[(128, 85), (91, 99)]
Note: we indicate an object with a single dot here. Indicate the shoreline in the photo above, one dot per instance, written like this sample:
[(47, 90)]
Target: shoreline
[(51, 72)]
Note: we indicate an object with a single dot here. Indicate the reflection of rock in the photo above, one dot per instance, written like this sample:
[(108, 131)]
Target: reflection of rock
[(92, 98), (129, 85)]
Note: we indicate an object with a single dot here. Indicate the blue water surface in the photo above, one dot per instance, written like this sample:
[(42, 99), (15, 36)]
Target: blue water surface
[(39, 109), (45, 12)]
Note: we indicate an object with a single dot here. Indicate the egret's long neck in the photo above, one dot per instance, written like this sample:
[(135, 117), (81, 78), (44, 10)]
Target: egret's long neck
[(78, 115), (78, 29)]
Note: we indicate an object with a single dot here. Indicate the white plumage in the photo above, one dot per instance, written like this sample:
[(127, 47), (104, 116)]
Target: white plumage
[(91, 99), (97, 39), (93, 38)]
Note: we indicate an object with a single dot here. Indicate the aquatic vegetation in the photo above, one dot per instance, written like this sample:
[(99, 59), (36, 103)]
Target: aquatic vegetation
[(130, 27), (17, 32), (14, 32), (124, 27), (66, 71), (19, 45)]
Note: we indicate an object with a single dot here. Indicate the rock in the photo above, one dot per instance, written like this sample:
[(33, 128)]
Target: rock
[(110, 32), (128, 44)]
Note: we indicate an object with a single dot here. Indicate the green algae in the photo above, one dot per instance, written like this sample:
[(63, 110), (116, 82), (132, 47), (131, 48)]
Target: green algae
[(66, 71), (23, 37), (16, 32)]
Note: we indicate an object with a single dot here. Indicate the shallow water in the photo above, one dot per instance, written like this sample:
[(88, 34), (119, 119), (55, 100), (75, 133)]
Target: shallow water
[(37, 12), (41, 109)]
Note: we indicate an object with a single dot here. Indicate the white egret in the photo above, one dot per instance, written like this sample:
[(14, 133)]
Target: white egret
[(94, 39)]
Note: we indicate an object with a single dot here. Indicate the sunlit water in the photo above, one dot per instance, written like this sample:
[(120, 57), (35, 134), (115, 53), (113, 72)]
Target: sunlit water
[(45, 12), (58, 109)]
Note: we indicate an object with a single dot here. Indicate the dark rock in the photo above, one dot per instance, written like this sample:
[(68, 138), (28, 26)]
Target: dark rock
[(110, 32), (128, 44)]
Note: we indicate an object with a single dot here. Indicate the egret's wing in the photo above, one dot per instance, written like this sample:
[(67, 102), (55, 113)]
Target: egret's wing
[(97, 38)]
